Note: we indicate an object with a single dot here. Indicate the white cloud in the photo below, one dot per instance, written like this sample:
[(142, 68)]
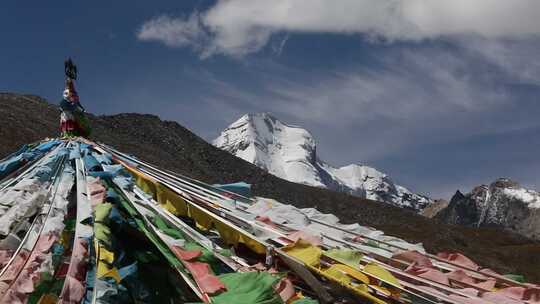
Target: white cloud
[(174, 32), (239, 27)]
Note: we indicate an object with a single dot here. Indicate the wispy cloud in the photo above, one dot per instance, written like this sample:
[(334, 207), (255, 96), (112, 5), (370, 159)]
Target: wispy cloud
[(405, 85), (240, 27), (518, 58)]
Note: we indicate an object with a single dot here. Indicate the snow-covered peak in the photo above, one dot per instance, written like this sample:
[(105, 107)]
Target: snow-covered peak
[(359, 175), (283, 150), (515, 191), (289, 152), (506, 189)]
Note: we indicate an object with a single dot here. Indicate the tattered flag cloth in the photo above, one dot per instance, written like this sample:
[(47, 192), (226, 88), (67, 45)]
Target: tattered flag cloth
[(84, 223)]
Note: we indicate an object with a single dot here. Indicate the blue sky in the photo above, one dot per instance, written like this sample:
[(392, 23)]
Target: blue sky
[(439, 95)]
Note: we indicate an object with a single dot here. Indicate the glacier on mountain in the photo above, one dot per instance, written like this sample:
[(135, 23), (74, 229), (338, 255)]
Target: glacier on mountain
[(289, 152)]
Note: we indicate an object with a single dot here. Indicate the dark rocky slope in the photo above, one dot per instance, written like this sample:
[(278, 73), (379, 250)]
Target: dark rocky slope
[(169, 145)]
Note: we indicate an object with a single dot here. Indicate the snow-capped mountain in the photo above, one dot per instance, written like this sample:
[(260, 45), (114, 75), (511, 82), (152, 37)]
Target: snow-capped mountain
[(289, 152), (504, 204)]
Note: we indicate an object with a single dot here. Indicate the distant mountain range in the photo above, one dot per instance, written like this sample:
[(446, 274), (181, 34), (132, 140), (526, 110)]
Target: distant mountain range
[(290, 152), (502, 204)]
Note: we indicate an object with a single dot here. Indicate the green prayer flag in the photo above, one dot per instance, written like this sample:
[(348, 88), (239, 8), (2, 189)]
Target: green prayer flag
[(516, 277), (346, 256), (249, 288), (165, 228)]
